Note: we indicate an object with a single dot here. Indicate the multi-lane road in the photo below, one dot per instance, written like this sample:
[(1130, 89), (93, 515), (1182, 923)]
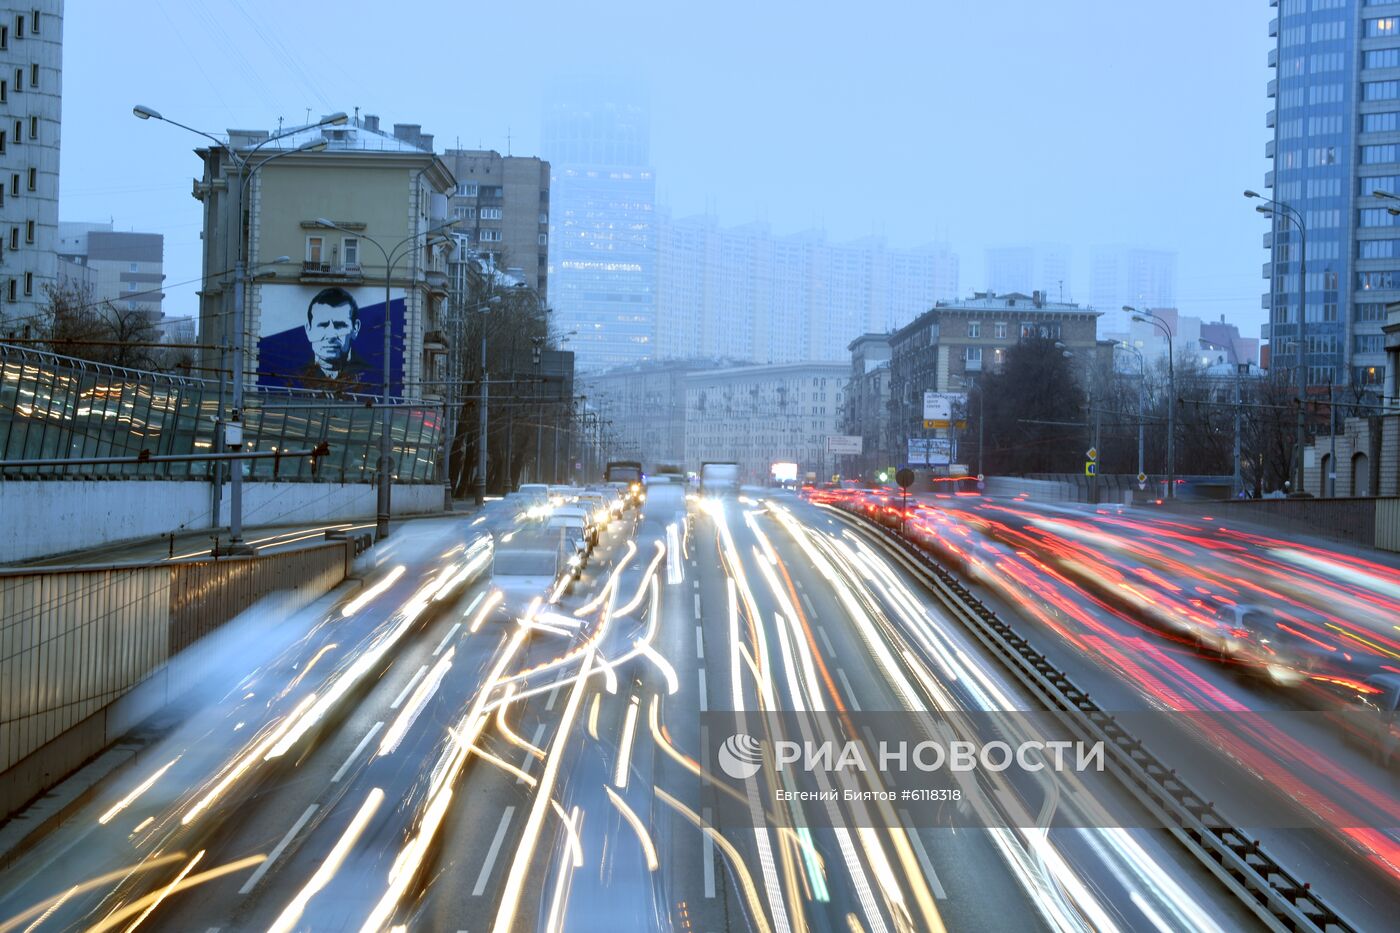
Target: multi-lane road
[(403, 755)]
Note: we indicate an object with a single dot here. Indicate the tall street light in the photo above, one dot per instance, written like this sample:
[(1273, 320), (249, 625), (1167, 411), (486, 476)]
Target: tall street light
[(1289, 214), (479, 487), (246, 169), (1142, 398), (1145, 316), (392, 255)]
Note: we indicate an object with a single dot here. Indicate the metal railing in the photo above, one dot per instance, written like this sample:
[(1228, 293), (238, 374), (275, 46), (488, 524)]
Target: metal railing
[(60, 408)]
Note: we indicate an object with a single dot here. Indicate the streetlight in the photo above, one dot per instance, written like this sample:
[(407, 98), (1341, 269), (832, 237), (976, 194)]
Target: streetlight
[(1145, 316), (233, 432), (1290, 214), (479, 487), (1142, 398), (391, 259)]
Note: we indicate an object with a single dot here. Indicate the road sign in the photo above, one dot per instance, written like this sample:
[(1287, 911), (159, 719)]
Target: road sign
[(844, 444), (905, 478), (1091, 468), (1142, 479), (1092, 453), (981, 478)]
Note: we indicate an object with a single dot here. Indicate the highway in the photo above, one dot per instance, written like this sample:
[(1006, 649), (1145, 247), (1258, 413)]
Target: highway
[(404, 755)]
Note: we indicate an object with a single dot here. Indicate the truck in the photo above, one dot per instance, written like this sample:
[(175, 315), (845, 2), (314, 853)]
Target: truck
[(719, 478), (623, 471)]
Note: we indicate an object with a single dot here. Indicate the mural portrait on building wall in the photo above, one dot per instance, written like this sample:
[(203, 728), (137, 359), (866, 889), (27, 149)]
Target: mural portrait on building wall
[(328, 337)]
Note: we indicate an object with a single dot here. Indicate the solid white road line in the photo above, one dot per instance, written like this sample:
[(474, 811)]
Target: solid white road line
[(492, 852), (699, 643), (697, 607), (411, 684), (529, 757), (850, 694), (356, 753), (922, 855), (704, 704), (281, 847), (446, 638), (708, 854), (826, 642)]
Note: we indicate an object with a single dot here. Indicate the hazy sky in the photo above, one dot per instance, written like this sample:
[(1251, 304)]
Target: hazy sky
[(1080, 121)]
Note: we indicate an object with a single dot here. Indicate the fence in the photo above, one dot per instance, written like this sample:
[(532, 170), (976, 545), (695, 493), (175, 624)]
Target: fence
[(73, 641), (58, 407)]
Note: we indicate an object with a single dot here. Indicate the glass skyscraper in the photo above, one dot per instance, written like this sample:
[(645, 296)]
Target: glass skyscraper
[(1336, 123), (602, 250)]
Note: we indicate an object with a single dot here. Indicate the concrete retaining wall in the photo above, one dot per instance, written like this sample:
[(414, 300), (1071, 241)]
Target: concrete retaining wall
[(60, 515), (85, 651), (1368, 522)]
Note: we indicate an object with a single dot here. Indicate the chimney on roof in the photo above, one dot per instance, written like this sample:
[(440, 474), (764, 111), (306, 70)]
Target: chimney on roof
[(1038, 298), (425, 141), (371, 122), (408, 132)]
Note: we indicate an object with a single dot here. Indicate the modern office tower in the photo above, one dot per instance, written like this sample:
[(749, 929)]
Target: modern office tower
[(1336, 124), (602, 271), (1043, 267), (1132, 276)]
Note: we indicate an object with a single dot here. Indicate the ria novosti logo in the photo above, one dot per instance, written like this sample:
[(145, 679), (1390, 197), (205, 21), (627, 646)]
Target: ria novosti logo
[(741, 756)]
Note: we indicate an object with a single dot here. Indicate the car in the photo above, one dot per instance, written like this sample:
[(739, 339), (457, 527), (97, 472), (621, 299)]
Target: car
[(598, 505), (1372, 716), (577, 528), (528, 565)]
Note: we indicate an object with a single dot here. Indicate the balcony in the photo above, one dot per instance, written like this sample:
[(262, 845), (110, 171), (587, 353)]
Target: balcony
[(1269, 179), (1269, 119), (1272, 88), (1269, 149), (331, 272), (1273, 58), (1273, 28)]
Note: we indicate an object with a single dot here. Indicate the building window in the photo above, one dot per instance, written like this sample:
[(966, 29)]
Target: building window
[(490, 236), (131, 286), (1367, 281), (1370, 343), (28, 283), (544, 239), (19, 80), (1329, 311), (19, 132), (1380, 90), (14, 289), (315, 246), (2, 141), (4, 37), (4, 91), (29, 231), (974, 328), (1027, 330), (350, 251), (14, 238), (19, 25), (1385, 26), (34, 23), (466, 189), (33, 179), (544, 218), (131, 267), (490, 213), (1370, 311), (999, 330), (1368, 375), (1383, 58), (33, 76)]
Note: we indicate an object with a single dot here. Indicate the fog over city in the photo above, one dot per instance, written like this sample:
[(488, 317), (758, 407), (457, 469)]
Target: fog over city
[(981, 125)]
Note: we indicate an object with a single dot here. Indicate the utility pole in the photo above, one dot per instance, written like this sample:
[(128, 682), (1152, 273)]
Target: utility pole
[(1238, 482)]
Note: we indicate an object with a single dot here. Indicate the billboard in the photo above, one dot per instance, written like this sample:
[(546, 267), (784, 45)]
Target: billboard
[(844, 444), (930, 451), (938, 407), (329, 337)]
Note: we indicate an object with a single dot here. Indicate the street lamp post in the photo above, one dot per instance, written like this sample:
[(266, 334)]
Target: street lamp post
[(1142, 400), (392, 256), (1290, 214), (1149, 317), (232, 433)]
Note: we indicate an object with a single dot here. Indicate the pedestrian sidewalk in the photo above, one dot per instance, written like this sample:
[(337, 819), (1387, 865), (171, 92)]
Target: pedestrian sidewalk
[(204, 543)]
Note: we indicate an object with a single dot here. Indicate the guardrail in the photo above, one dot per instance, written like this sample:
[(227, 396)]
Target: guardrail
[(1273, 894), (76, 640)]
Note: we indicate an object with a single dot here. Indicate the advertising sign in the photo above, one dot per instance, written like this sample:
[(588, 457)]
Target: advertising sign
[(938, 408), (844, 444), (329, 337)]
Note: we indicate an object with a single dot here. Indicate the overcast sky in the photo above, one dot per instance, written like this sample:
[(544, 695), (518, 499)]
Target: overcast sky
[(1080, 121)]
